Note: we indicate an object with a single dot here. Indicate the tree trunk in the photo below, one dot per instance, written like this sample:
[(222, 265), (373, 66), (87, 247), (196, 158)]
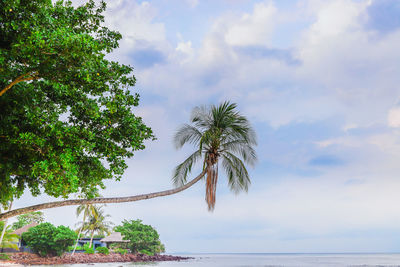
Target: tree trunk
[(4, 228), (91, 239), (79, 234), (100, 200)]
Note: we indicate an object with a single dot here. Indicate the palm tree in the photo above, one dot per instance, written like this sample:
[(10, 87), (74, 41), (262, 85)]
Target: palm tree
[(221, 135), (89, 210), (3, 231), (96, 224), (9, 240)]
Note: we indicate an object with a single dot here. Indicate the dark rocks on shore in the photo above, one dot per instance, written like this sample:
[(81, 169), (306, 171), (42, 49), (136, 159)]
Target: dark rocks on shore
[(33, 259)]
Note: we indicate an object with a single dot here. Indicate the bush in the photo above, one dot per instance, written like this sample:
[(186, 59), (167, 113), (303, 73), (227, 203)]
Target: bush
[(141, 237), (71, 248), (4, 256), (118, 245), (121, 251), (47, 240), (144, 251), (86, 246), (103, 250), (89, 250)]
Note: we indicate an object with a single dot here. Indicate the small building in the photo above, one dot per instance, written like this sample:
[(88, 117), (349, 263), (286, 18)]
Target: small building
[(114, 237), (21, 243), (96, 242)]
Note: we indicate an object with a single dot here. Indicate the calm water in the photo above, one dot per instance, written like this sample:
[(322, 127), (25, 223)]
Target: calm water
[(270, 260)]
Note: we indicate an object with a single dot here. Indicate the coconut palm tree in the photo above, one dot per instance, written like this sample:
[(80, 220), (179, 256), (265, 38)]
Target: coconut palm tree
[(96, 224), (220, 135), (9, 240), (89, 211)]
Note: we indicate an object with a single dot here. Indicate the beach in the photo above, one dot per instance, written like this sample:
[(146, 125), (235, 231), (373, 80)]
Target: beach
[(17, 259)]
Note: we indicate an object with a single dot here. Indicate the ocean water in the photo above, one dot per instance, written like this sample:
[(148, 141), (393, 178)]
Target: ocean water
[(269, 260)]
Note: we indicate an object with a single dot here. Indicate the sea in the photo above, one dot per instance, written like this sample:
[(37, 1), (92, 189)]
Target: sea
[(267, 260)]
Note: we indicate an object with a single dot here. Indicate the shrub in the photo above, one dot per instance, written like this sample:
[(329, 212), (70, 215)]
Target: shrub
[(144, 251), (47, 240), (121, 251), (86, 246), (119, 245), (4, 256), (103, 250), (89, 250), (141, 237), (71, 248)]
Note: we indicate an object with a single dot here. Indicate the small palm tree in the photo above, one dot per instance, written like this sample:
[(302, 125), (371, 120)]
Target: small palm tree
[(9, 240), (96, 224), (221, 135), (88, 210)]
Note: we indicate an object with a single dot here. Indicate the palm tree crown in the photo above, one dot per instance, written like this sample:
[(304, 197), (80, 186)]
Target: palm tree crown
[(96, 223), (220, 133)]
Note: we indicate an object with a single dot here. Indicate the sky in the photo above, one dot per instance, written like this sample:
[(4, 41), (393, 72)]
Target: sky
[(319, 82)]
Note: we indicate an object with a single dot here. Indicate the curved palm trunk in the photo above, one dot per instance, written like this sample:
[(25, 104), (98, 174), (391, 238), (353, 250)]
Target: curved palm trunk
[(101, 200), (91, 239), (79, 234), (4, 227)]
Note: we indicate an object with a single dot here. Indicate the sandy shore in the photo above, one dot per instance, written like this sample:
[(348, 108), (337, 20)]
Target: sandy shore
[(21, 259)]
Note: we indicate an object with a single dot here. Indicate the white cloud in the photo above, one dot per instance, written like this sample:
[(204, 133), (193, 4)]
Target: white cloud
[(394, 117), (253, 29)]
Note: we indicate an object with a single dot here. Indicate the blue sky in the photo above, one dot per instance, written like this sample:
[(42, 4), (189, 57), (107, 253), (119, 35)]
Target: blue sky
[(318, 79)]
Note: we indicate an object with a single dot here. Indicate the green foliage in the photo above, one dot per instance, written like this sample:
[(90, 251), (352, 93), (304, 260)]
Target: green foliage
[(25, 219), (66, 121), (103, 250), (4, 256), (121, 251), (144, 251), (86, 246), (221, 135), (119, 245), (10, 240), (141, 237), (96, 223), (89, 250), (47, 240)]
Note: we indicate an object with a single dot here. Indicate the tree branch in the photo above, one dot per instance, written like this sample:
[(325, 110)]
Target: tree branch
[(99, 200), (21, 78)]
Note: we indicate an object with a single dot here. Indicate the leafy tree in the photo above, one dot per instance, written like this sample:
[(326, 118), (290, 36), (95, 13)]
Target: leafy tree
[(66, 112), (47, 240), (25, 219), (10, 240), (142, 238), (221, 135), (96, 223)]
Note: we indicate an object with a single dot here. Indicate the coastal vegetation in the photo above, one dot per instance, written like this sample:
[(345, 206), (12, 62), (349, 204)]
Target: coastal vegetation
[(9, 240), (142, 238), (96, 223), (67, 119), (25, 219), (46, 239)]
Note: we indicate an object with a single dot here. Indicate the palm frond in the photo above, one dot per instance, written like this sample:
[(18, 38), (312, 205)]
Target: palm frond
[(182, 170), (238, 177), (201, 117), (242, 148), (187, 134)]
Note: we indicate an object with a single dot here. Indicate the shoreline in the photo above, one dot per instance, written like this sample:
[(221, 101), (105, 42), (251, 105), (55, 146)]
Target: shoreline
[(23, 259)]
